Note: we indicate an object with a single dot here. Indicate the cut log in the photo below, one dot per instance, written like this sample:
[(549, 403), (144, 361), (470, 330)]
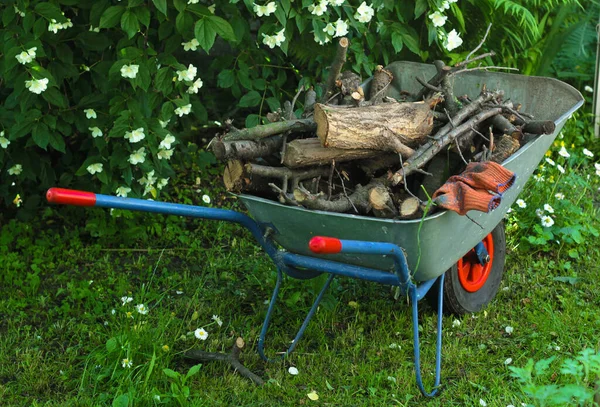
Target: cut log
[(310, 152), (234, 178), (505, 147), (410, 208), (539, 127), (389, 127), (245, 149), (381, 202), (271, 129), (357, 202), (336, 67)]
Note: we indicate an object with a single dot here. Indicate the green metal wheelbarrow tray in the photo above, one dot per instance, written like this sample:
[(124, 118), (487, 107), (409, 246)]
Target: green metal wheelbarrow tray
[(463, 258)]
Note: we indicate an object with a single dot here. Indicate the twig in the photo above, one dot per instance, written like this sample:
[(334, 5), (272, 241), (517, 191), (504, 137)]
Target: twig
[(428, 86), (344, 189), (330, 181), (404, 179), (291, 115), (485, 68), (283, 195), (460, 153), (487, 31), (336, 67)]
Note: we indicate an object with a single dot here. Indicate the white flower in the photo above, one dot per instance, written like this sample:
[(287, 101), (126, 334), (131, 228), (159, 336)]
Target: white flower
[(96, 132), (200, 333), (560, 196), (217, 320), (4, 142), (129, 71), (481, 401), (183, 110), (195, 86), (364, 13), (445, 5), (563, 152), (26, 57), (193, 1), (320, 42), (588, 88), (137, 157), (166, 142), (539, 213), (95, 168), (206, 199), (266, 10), (15, 169), (190, 45), (141, 308), (508, 361), (90, 113), (54, 26), (318, 9), (149, 179), (123, 191), (94, 29), (455, 323), (280, 37), (126, 300), (135, 135), (509, 329), (187, 74), (438, 19), (162, 183), (588, 152), (336, 2), (453, 41), (557, 348), (163, 124), (560, 168), (521, 203), (547, 221), (550, 161), (341, 28), (126, 363), (113, 311), (37, 85), (293, 371), (538, 177), (329, 29), (548, 208), (269, 41), (164, 154)]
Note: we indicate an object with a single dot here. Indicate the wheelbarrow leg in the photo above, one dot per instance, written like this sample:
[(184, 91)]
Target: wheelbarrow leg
[(265, 327), (412, 289)]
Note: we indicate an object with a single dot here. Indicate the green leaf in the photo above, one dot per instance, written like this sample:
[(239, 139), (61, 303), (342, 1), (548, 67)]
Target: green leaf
[(184, 23), (222, 27), (8, 16), (134, 3), (420, 7), (226, 78), (41, 135), (273, 103), (39, 28), (573, 253), (166, 111), (411, 42), (161, 5), (250, 99), (93, 41), (57, 142), (171, 374), (193, 370), (112, 343), (52, 95), (50, 12), (143, 15), (111, 16), (121, 401), (180, 5), (130, 23), (96, 11), (143, 79), (205, 33), (542, 365), (252, 120), (163, 80), (397, 42), (280, 15)]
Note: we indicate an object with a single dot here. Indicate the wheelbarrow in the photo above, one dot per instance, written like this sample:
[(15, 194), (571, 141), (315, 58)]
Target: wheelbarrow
[(462, 258)]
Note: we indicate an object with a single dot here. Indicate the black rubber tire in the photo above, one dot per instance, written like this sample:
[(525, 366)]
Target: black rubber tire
[(457, 300)]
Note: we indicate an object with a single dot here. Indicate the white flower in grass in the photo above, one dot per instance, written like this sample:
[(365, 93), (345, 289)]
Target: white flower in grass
[(364, 13), (206, 199), (329, 29), (4, 142), (141, 308), (123, 191), (453, 41), (560, 168), (96, 132), (521, 203), (509, 330), (94, 168), (37, 85), (547, 221), (90, 113), (188, 74), (191, 45), (539, 213), (15, 169), (200, 333), (166, 142), (538, 177), (129, 71), (438, 19), (126, 300), (548, 208), (162, 183), (127, 363), (482, 402), (195, 86), (563, 152), (217, 320), (135, 135), (164, 154), (318, 9), (265, 10), (508, 361), (550, 161), (597, 166), (455, 323), (293, 371), (26, 57), (183, 110), (560, 196), (588, 88), (341, 28), (588, 152), (137, 157)]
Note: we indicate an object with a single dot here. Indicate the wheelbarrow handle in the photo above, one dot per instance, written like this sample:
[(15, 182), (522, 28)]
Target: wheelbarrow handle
[(70, 197)]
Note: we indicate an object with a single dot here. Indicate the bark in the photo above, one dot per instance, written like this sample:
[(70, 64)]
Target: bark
[(505, 147), (381, 202), (310, 98), (447, 88), (389, 127), (310, 152), (381, 80), (336, 68), (539, 127), (246, 149), (271, 129), (357, 201)]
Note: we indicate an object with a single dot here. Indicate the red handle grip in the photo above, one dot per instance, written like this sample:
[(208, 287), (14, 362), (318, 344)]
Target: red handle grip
[(70, 197), (325, 245)]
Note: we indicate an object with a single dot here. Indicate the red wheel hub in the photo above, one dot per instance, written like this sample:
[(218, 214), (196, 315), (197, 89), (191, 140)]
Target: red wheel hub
[(472, 274)]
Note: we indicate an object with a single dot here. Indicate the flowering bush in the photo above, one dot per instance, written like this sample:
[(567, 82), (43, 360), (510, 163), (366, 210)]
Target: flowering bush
[(105, 91)]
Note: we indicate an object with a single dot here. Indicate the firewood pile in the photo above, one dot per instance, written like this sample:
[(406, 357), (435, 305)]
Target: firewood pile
[(359, 151)]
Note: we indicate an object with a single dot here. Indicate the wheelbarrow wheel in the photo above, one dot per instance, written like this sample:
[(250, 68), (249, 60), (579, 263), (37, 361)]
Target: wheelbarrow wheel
[(468, 285)]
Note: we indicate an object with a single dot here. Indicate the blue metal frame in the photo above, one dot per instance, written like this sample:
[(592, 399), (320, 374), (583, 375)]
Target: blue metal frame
[(299, 266)]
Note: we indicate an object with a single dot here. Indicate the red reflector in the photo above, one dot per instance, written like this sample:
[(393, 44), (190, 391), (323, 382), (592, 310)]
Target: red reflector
[(325, 245), (70, 197)]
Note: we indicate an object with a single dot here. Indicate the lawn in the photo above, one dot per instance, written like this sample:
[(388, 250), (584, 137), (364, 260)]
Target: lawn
[(70, 336)]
